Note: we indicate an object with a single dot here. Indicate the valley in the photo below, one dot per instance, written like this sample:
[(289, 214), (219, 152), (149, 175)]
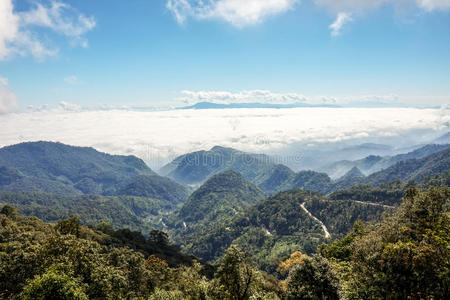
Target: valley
[(243, 200)]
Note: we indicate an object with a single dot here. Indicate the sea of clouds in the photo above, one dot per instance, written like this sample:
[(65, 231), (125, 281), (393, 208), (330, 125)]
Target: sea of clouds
[(159, 136)]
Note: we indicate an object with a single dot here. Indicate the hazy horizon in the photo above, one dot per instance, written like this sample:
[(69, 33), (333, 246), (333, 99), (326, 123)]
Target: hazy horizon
[(159, 136)]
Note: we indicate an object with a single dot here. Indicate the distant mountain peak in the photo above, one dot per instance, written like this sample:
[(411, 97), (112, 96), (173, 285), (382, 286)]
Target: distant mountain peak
[(444, 139), (222, 148), (212, 105), (354, 172), (227, 179)]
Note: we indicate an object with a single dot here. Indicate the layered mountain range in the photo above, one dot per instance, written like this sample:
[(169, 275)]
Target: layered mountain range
[(241, 198)]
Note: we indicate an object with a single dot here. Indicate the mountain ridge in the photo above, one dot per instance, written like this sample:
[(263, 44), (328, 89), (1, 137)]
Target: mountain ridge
[(63, 169)]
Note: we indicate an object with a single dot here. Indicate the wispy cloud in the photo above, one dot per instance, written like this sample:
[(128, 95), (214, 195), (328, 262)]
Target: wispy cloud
[(269, 97), (341, 19), (234, 12), (19, 34), (430, 5), (345, 10), (73, 80), (252, 96), (8, 100), (256, 11)]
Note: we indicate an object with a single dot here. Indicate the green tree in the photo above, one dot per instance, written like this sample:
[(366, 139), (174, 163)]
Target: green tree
[(54, 285), (9, 211), (235, 275), (69, 226), (406, 256), (158, 237), (313, 278)]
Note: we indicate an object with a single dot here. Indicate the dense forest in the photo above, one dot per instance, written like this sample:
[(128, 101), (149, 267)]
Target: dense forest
[(404, 256), (67, 170), (270, 233)]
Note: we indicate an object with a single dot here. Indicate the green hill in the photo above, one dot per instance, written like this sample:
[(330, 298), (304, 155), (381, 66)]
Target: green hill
[(372, 164), (136, 213), (198, 166), (220, 197), (277, 226), (413, 169), (66, 170)]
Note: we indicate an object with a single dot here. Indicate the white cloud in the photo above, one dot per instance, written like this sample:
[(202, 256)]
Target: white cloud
[(253, 96), (8, 100), (352, 6), (160, 135), (361, 6), (9, 26), (66, 106), (345, 8), (73, 80), (235, 12), (341, 19), (19, 34), (256, 11), (430, 5), (269, 97), (359, 100)]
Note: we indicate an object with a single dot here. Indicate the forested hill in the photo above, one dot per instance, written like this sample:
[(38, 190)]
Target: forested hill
[(225, 193), (374, 163), (198, 166), (61, 169), (405, 256), (276, 226), (413, 169), (273, 178), (257, 168)]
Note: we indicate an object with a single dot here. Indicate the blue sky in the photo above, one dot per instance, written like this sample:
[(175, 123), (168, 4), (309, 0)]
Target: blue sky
[(170, 52)]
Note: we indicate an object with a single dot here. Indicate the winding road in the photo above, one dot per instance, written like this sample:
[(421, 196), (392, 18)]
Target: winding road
[(374, 204), (324, 228)]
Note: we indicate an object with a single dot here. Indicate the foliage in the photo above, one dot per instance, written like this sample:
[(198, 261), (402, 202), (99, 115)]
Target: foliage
[(388, 193), (437, 180), (268, 231), (222, 195), (313, 278), (295, 259), (237, 279), (132, 212), (69, 226), (54, 284), (46, 261), (153, 186), (406, 256), (340, 215)]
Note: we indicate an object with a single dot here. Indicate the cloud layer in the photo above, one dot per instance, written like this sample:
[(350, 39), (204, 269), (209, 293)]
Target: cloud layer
[(161, 135), (19, 34)]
